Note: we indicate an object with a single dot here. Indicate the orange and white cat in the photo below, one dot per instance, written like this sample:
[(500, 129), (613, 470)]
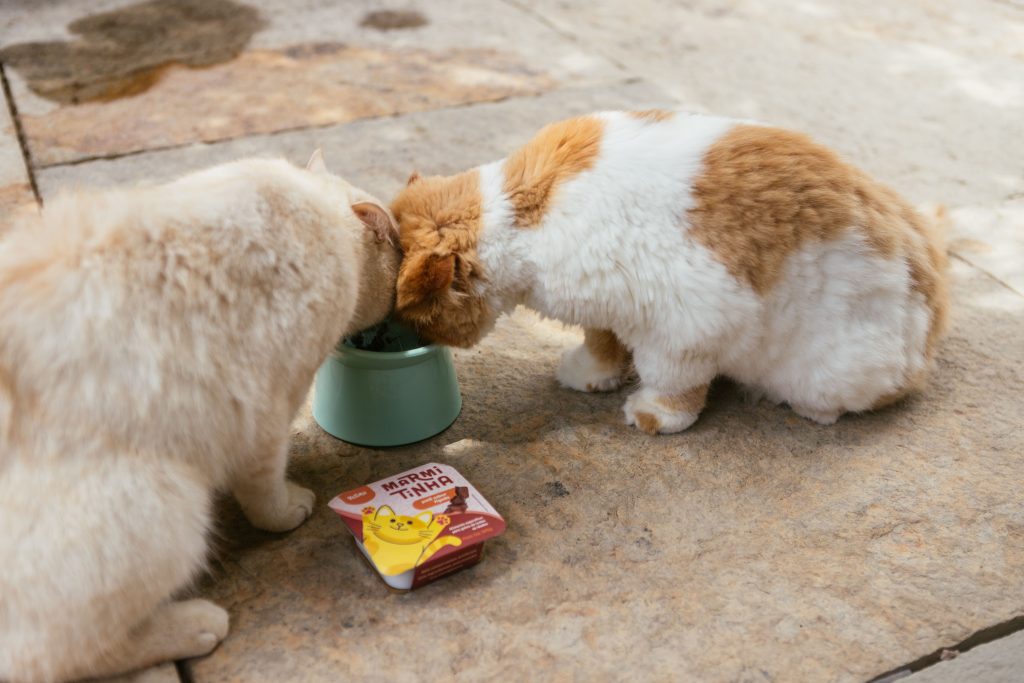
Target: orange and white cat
[(701, 246), (398, 543), (155, 344)]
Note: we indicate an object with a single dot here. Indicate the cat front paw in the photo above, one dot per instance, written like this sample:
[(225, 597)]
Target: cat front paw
[(191, 628), (296, 510), (579, 370), (654, 413)]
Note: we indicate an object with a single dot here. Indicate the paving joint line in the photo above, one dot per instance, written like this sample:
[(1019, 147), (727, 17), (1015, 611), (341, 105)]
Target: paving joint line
[(572, 37), (19, 131), (322, 126), (978, 268), (981, 637)]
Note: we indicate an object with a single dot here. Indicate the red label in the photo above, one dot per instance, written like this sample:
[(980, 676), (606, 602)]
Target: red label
[(363, 494)]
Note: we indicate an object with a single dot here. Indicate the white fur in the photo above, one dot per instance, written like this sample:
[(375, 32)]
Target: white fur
[(155, 344), (506, 254), (613, 252), (646, 401), (579, 370), (842, 328)]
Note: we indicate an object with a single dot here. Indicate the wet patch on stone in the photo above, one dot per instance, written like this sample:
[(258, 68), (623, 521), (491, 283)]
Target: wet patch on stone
[(265, 91), (127, 51), (391, 20)]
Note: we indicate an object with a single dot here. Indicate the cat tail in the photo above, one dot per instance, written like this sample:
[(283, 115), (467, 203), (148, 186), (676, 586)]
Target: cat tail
[(938, 224), (936, 228), (436, 545)]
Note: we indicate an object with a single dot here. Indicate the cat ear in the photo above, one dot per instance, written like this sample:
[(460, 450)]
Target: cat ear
[(413, 177), (422, 276), (381, 511), (378, 220), (426, 517), (316, 162)]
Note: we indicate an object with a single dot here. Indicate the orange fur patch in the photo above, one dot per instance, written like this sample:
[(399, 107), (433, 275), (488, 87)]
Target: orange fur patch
[(557, 153), (762, 193), (765, 192), (928, 265), (426, 273), (606, 348), (439, 222), (648, 423), (898, 395), (690, 402), (653, 115)]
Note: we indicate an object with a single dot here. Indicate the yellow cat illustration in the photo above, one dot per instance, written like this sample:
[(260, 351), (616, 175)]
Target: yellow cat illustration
[(397, 543)]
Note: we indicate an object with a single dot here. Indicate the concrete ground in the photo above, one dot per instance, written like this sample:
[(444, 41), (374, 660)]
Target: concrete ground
[(754, 547)]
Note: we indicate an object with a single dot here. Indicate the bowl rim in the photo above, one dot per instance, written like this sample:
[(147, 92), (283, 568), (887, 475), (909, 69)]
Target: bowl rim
[(341, 350)]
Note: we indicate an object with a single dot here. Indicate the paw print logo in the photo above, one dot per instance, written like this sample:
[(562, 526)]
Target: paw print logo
[(369, 510), (443, 520)]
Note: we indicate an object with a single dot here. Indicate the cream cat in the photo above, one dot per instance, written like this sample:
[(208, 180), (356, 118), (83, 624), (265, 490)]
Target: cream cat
[(398, 543), (702, 246), (155, 344)]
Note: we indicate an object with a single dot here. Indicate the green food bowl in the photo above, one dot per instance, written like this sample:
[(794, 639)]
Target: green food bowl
[(384, 387)]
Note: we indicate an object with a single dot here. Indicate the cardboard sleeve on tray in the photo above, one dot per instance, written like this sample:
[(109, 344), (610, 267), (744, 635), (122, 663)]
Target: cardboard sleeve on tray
[(419, 525)]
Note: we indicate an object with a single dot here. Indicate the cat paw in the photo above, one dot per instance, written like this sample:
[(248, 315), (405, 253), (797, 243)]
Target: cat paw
[(579, 370), (297, 510), (824, 417), (196, 626), (646, 411)]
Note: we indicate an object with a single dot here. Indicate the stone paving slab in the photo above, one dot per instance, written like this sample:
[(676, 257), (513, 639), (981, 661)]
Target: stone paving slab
[(1001, 661), (992, 238), (924, 92), (757, 546), (320, 64)]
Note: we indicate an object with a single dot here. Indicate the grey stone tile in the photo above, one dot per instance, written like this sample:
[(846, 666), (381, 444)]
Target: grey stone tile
[(991, 237), (1001, 661)]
